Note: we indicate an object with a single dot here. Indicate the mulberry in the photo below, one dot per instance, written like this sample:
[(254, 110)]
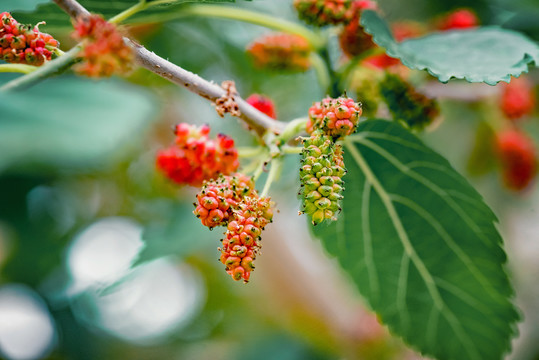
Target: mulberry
[(406, 103), (325, 12), (285, 52), (104, 53), (219, 198), (518, 159), (241, 244), (195, 157), (458, 19), (518, 98), (321, 177), (21, 44), (263, 104), (353, 39), (336, 117)]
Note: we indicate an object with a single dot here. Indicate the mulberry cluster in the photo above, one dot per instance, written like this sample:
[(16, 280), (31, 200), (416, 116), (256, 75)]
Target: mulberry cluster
[(22, 44), (321, 177), (281, 51), (104, 51), (325, 12), (242, 237), (232, 201), (518, 158), (219, 198), (263, 104), (195, 157), (406, 103), (336, 117), (353, 39), (458, 20), (518, 98)]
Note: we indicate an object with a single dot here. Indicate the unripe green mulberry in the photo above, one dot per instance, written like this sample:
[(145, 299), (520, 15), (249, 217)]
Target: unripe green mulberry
[(321, 177), (406, 103)]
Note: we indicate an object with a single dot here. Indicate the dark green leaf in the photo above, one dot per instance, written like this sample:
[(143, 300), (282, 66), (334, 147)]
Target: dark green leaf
[(57, 20), (70, 122), (422, 247), (486, 54)]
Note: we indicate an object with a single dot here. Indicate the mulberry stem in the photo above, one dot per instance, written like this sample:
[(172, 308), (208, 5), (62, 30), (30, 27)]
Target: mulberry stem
[(249, 152), (140, 6), (254, 17), (17, 68), (276, 165), (51, 67), (292, 149)]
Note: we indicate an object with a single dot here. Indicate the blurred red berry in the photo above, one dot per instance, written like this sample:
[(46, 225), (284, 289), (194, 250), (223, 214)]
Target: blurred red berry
[(517, 157), (104, 52), (263, 104), (281, 51), (406, 30), (381, 61), (325, 12), (458, 19), (518, 98)]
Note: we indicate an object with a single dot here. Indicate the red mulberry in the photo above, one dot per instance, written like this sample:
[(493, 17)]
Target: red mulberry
[(518, 98), (336, 117), (353, 39), (242, 238), (21, 44), (458, 19), (518, 159), (219, 198), (195, 157), (262, 103)]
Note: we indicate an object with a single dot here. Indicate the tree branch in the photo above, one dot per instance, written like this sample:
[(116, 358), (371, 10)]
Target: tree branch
[(72, 8), (254, 119)]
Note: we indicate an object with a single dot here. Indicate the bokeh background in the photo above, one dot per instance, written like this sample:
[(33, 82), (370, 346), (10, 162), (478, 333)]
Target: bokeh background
[(101, 258)]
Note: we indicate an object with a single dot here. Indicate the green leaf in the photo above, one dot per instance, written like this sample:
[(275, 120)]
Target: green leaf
[(25, 5), (422, 247), (71, 123), (58, 20), (486, 54)]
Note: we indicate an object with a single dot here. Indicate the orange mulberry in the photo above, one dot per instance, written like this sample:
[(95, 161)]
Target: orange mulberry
[(104, 52), (285, 52), (219, 198), (241, 244)]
